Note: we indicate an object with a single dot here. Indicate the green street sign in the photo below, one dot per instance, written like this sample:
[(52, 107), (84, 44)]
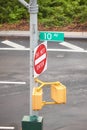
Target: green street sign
[(51, 36)]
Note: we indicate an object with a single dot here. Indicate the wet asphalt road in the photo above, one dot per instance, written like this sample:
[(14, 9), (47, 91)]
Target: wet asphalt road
[(70, 68)]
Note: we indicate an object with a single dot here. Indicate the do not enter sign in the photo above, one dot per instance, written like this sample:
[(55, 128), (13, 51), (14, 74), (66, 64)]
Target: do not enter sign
[(40, 59)]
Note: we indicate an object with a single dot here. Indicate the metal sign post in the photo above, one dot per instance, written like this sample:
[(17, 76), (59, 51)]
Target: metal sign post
[(33, 10), (32, 121)]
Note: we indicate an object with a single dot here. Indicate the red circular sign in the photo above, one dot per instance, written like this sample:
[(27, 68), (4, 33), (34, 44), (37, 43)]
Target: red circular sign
[(40, 58)]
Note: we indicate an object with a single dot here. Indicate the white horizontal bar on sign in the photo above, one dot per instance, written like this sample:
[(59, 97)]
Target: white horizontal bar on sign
[(40, 59), (6, 128), (69, 45), (12, 44)]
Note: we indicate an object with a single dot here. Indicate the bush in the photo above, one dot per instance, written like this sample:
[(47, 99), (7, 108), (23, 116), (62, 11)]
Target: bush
[(51, 12), (12, 11), (62, 12)]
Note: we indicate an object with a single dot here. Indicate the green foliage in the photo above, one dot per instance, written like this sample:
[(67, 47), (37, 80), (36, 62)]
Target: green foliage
[(51, 12), (62, 12), (12, 11)]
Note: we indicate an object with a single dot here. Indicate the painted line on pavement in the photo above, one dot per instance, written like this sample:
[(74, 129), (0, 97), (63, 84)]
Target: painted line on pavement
[(67, 50), (14, 49), (69, 45), (8, 82), (50, 49), (12, 44), (6, 128)]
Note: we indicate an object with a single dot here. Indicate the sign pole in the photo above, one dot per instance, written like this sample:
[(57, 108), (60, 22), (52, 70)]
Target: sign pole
[(33, 9), (33, 121)]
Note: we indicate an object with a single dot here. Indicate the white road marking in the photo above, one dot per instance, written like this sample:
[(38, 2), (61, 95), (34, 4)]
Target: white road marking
[(8, 82), (50, 49), (12, 44), (6, 128), (14, 49), (67, 50), (69, 45)]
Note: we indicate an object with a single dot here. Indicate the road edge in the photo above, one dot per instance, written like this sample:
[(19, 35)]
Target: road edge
[(27, 34)]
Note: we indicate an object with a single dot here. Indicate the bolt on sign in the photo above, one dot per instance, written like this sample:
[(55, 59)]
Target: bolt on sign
[(40, 59)]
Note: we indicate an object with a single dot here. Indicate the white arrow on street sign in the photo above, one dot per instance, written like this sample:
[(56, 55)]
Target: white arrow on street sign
[(40, 59)]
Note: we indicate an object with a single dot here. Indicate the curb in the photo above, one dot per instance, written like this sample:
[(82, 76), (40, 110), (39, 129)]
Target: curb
[(75, 35), (15, 33), (27, 34)]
